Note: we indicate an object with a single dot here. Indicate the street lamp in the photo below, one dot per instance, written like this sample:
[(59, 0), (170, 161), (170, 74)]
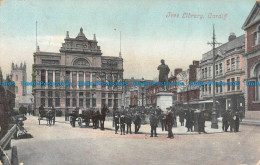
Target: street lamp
[(214, 115)]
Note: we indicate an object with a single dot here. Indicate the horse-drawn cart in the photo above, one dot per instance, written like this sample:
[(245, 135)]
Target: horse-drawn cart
[(48, 115), (80, 116)]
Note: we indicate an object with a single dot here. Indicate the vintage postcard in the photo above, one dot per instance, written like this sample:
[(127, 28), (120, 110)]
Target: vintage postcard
[(143, 82)]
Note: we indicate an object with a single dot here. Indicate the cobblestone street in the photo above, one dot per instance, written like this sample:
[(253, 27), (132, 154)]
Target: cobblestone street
[(62, 144)]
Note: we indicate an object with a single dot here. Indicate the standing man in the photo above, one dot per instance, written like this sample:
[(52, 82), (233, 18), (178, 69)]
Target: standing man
[(137, 122), (163, 121), (66, 114), (237, 120), (189, 120), (129, 122), (122, 124), (201, 122), (153, 124), (225, 121), (116, 119), (181, 117), (169, 122)]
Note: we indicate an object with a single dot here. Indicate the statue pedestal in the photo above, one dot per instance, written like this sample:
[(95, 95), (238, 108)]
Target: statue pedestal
[(164, 100)]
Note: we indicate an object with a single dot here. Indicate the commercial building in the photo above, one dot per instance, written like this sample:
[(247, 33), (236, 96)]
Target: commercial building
[(229, 74)]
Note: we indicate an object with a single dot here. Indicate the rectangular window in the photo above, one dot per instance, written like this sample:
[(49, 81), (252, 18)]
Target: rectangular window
[(233, 64), (94, 104), (220, 68), (238, 62), (220, 89), (210, 71), (238, 83), (68, 76), (43, 76), (50, 103), (94, 79), (74, 99), (228, 65), (209, 89), (57, 76), (228, 84), (81, 94), (206, 88), (87, 77), (216, 69), (50, 76), (255, 38), (203, 73), (206, 73), (74, 79), (233, 84), (43, 98), (81, 78), (67, 99), (216, 88), (57, 98), (88, 102)]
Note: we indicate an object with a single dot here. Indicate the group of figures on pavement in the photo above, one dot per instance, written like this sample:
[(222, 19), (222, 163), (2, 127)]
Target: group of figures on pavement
[(124, 118), (232, 120)]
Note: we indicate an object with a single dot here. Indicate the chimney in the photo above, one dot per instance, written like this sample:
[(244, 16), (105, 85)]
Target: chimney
[(231, 37), (177, 71), (196, 63)]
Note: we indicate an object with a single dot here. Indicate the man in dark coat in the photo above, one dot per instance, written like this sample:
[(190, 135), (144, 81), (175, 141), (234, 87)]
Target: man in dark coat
[(201, 122), (129, 121), (116, 119), (137, 121), (163, 121), (237, 120), (169, 122), (189, 120), (225, 124), (122, 124), (153, 124), (231, 121), (181, 117), (95, 119)]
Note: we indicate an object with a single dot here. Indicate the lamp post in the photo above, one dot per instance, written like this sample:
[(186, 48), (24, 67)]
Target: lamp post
[(214, 115)]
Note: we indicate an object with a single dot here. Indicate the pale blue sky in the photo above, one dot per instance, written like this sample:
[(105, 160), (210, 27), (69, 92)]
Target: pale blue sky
[(147, 35)]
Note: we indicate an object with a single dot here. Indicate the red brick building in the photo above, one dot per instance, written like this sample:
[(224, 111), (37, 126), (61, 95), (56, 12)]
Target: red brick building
[(252, 63), (189, 93)]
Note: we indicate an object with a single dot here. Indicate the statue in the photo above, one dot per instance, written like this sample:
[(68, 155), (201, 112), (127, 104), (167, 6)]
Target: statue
[(163, 72)]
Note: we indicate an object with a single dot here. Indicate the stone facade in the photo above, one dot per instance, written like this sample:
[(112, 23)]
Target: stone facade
[(80, 59), (252, 63)]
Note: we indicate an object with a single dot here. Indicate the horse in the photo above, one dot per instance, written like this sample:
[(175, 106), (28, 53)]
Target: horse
[(49, 117), (104, 111)]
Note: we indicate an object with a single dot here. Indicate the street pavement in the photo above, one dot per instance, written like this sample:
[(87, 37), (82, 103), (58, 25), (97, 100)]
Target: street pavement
[(63, 145)]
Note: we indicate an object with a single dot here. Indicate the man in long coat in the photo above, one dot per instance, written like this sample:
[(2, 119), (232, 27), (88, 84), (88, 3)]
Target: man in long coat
[(189, 120), (153, 124), (169, 122)]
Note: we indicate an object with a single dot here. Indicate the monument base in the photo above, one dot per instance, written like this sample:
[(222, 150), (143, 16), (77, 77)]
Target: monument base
[(164, 100)]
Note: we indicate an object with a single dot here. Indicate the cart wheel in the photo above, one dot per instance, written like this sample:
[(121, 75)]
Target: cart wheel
[(80, 122)]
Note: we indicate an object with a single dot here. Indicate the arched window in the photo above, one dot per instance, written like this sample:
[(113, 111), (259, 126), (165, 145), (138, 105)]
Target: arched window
[(81, 62), (257, 89)]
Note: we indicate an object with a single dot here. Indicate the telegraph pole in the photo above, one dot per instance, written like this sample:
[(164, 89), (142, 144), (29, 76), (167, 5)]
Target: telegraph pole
[(214, 115)]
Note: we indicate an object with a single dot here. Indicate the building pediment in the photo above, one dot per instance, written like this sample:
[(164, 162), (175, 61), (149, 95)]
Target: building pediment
[(253, 17)]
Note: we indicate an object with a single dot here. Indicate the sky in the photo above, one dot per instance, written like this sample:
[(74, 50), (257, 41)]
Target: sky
[(148, 35)]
